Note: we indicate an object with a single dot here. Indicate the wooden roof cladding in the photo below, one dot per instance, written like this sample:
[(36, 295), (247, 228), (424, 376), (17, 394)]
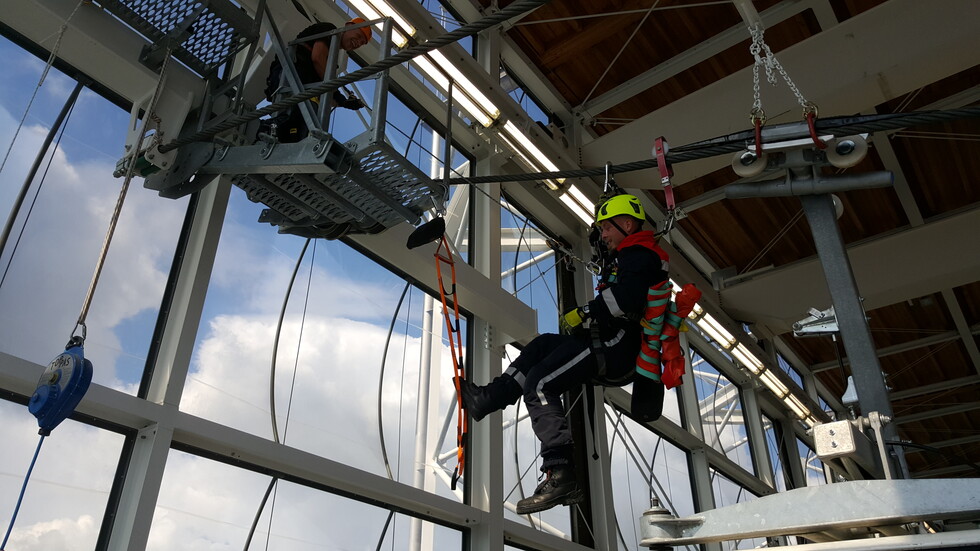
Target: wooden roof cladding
[(588, 48)]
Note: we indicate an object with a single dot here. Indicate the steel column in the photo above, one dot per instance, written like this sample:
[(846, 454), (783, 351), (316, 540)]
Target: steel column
[(851, 318)]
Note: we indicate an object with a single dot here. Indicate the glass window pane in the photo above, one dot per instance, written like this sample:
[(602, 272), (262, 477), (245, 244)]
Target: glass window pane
[(644, 465), (68, 490), (720, 405), (55, 241), (205, 504), (812, 466), (528, 267), (775, 458), (329, 357)]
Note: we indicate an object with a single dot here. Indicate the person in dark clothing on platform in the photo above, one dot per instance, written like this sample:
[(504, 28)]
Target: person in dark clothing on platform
[(605, 353), (311, 65)]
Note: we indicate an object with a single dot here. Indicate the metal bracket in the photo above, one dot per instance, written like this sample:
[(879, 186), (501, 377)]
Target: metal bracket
[(818, 323)]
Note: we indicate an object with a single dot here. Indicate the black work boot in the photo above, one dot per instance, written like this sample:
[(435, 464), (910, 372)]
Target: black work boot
[(476, 399), (560, 488)]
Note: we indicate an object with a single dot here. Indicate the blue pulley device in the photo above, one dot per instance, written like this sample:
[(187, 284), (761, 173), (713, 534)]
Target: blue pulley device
[(61, 387)]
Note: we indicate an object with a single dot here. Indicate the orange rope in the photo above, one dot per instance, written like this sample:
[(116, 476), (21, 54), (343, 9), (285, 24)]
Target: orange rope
[(456, 350)]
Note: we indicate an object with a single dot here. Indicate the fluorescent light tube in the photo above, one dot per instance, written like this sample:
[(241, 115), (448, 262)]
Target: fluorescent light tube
[(541, 159), (716, 331), (460, 99), (468, 88), (747, 358), (796, 406), (773, 383), (573, 205)]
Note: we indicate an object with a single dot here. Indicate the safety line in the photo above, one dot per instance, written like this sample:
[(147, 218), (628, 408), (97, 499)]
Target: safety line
[(23, 488)]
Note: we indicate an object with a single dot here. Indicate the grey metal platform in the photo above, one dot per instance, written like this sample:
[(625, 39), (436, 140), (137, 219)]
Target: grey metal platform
[(313, 188)]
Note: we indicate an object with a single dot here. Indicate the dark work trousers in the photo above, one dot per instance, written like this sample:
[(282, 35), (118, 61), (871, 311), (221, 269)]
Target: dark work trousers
[(553, 364)]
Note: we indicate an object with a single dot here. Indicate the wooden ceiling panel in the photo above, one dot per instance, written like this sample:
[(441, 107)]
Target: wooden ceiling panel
[(939, 187), (717, 67), (907, 321), (922, 366)]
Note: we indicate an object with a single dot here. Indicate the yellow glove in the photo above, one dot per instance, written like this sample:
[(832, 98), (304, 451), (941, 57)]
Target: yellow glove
[(571, 319)]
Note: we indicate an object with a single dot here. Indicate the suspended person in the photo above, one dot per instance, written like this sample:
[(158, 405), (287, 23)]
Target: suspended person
[(606, 353), (311, 65)]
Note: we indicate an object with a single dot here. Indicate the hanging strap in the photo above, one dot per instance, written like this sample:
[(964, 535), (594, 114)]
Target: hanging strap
[(455, 350), (660, 148)]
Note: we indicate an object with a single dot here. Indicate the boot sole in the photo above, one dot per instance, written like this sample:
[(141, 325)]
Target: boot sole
[(574, 497)]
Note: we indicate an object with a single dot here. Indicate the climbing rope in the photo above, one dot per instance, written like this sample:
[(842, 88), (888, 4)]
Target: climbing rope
[(455, 349), (130, 171)]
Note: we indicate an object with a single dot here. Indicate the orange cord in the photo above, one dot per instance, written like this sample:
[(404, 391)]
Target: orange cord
[(456, 350)]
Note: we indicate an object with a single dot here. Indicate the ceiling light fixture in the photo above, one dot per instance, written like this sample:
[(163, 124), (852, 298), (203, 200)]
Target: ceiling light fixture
[(377, 9), (576, 208)]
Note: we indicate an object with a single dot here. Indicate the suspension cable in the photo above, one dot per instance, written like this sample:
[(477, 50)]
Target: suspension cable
[(471, 29), (838, 126)]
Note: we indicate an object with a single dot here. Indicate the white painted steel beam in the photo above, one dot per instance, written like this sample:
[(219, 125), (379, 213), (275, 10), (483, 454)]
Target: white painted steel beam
[(219, 441), (476, 293), (931, 340), (778, 298), (901, 419), (935, 387)]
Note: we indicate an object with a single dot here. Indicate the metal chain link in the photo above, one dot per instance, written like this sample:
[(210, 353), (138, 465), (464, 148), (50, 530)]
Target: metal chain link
[(771, 64)]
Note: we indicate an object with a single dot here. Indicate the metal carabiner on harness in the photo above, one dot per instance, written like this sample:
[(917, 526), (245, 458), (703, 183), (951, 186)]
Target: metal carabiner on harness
[(660, 149)]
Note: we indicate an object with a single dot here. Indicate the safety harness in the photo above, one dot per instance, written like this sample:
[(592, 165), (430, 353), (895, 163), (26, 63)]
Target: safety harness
[(660, 356)]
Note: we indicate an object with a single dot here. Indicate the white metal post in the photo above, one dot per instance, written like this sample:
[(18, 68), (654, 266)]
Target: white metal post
[(485, 465), (141, 488)]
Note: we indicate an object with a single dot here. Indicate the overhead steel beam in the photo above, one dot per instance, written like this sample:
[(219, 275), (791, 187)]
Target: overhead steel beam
[(870, 56), (931, 340), (900, 419), (966, 440), (476, 294), (778, 298), (935, 387), (962, 327), (705, 50)]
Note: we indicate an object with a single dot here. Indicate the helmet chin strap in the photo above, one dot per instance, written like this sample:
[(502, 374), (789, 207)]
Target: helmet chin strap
[(618, 227)]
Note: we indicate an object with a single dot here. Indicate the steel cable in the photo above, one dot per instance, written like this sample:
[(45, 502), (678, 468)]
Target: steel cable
[(730, 143)]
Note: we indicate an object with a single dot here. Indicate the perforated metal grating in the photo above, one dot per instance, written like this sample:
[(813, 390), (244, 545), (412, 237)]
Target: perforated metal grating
[(384, 189), (220, 30)]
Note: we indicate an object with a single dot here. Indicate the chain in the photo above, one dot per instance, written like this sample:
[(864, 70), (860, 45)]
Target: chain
[(772, 65)]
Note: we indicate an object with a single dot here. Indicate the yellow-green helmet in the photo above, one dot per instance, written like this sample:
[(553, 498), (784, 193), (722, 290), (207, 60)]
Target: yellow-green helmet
[(620, 204)]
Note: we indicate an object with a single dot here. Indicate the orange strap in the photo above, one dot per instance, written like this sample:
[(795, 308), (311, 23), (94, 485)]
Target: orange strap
[(455, 349)]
